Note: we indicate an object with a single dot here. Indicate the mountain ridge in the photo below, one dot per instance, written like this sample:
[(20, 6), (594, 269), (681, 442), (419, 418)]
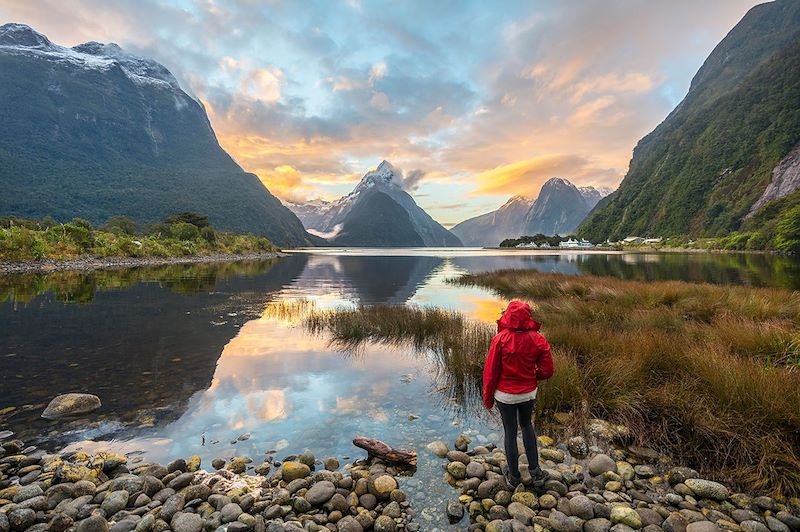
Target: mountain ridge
[(552, 212), (703, 169), (93, 131), (334, 220)]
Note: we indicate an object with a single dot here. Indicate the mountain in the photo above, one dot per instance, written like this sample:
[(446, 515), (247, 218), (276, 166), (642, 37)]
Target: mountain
[(94, 131), (728, 151), (560, 208), (377, 213), (493, 227)]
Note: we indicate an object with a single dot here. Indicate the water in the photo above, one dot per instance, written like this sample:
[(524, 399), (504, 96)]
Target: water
[(186, 359)]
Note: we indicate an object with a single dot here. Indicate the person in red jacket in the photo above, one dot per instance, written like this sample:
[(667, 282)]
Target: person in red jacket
[(519, 357)]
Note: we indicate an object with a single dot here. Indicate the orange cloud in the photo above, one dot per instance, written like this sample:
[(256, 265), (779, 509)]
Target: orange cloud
[(526, 177)]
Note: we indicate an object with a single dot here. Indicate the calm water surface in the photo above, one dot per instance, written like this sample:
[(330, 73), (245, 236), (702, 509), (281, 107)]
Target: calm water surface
[(186, 359)]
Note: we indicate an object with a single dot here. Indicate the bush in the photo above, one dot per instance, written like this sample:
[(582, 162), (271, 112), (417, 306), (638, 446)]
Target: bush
[(80, 222), (198, 220), (787, 230), (184, 231), (120, 225), (208, 234)]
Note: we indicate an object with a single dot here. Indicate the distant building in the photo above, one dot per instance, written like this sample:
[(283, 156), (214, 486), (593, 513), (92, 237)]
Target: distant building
[(633, 240), (527, 245), (652, 240), (572, 243)]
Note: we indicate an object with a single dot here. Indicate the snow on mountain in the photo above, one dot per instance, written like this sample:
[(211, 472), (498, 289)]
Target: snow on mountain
[(593, 195), (334, 218), (22, 39)]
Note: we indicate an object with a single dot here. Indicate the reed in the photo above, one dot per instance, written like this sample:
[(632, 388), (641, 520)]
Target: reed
[(708, 374)]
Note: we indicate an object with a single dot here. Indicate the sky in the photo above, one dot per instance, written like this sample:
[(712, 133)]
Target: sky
[(474, 101)]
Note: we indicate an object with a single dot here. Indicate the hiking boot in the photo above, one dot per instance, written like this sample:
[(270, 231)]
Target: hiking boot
[(511, 480), (538, 478)]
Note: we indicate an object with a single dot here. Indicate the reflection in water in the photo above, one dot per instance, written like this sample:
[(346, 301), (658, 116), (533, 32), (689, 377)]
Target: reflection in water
[(181, 351)]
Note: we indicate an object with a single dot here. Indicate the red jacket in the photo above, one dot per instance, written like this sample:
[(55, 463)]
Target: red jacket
[(519, 356)]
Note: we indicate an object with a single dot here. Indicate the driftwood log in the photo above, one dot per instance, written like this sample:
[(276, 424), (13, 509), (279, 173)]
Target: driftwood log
[(386, 452)]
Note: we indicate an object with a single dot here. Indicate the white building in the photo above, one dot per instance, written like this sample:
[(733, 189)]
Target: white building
[(572, 243)]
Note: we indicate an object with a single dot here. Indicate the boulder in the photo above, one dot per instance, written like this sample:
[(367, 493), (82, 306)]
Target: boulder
[(71, 404)]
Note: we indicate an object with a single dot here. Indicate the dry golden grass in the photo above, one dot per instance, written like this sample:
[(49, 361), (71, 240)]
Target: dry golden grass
[(709, 374)]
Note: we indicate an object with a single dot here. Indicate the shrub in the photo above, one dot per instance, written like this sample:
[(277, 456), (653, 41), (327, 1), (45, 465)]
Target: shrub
[(120, 225), (787, 230), (208, 234), (185, 231)]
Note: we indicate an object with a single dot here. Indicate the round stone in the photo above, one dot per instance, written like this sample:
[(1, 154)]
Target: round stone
[(474, 470), (626, 516), (707, 489), (457, 470), (186, 522), (382, 486), (320, 493), (702, 526), (71, 404), (294, 470), (601, 463), (438, 447)]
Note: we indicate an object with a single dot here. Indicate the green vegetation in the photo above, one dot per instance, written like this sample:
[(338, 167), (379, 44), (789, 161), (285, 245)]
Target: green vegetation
[(708, 373), (120, 237), (82, 286), (102, 145), (538, 239), (700, 171)]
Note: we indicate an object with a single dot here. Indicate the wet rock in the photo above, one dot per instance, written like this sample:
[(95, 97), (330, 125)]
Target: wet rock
[(675, 522), (458, 456), (707, 489), (217, 463), (462, 442), (455, 511), (331, 464), (438, 447), (457, 469), (560, 522), (71, 404), (307, 458)]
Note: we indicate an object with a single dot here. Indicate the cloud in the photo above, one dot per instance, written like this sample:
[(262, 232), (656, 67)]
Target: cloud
[(489, 102), (527, 177)]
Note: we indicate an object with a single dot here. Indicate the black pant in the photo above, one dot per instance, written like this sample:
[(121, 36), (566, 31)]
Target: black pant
[(520, 413)]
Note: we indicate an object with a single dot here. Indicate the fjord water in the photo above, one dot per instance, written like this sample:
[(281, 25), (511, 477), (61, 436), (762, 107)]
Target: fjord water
[(192, 359)]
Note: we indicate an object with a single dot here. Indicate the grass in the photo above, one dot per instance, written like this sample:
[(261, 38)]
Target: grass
[(709, 374), (32, 241)]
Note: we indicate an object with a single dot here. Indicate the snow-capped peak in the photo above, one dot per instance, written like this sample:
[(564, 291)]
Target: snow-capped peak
[(558, 181), (22, 35), (20, 39), (384, 174)]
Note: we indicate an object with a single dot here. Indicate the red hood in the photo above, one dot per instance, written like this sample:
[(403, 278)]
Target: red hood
[(517, 316)]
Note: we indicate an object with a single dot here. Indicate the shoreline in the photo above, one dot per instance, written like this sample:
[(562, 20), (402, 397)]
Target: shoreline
[(88, 264)]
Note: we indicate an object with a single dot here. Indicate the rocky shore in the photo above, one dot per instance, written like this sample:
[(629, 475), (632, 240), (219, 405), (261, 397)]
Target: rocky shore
[(107, 263), (614, 488), (104, 492)]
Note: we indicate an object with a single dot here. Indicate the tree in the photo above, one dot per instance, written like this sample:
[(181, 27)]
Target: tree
[(787, 230), (197, 220), (120, 224)]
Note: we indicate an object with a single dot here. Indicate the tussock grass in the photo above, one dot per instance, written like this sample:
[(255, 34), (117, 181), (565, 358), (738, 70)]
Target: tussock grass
[(706, 373)]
